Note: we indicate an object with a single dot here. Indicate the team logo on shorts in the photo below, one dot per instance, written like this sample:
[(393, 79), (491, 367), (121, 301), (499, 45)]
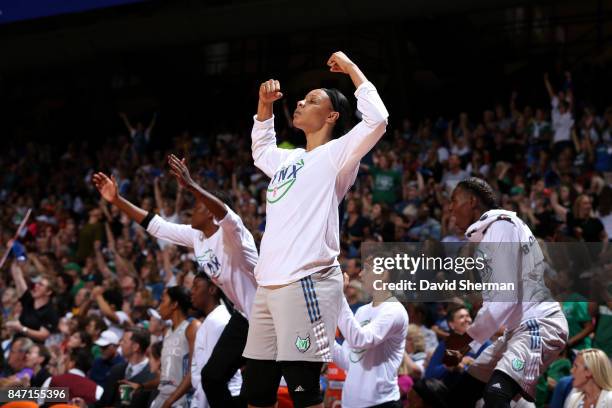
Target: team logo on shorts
[(518, 365), (302, 344)]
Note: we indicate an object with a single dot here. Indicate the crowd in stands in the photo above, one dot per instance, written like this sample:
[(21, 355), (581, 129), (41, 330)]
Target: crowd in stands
[(82, 288)]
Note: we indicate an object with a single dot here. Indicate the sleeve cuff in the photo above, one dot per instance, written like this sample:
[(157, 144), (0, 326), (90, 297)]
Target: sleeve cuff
[(364, 86), (263, 124)]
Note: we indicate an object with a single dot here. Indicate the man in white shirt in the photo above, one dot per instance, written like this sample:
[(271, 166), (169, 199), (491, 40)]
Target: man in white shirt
[(535, 328), (372, 352), (225, 250), (205, 297)]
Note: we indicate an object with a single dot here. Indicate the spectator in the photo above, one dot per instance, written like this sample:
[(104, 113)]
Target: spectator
[(355, 225), (78, 340), (134, 371), (454, 174), (37, 359), (79, 386), (459, 320), (592, 372), (9, 300), (157, 326), (354, 295), (108, 343), (562, 120), (110, 302), (38, 317), (16, 370), (385, 181)]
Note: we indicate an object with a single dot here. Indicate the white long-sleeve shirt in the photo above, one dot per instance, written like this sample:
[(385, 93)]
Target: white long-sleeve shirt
[(372, 352), (228, 256), (206, 339), (514, 256), (561, 123), (302, 226)]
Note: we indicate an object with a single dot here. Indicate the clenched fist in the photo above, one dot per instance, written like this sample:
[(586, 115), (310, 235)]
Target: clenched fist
[(269, 91)]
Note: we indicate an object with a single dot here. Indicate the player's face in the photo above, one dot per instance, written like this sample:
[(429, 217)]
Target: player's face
[(199, 291), (461, 207), (201, 217), (461, 321), (312, 111), (165, 307)]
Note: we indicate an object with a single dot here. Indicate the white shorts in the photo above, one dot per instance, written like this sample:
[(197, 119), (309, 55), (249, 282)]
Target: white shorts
[(525, 352), (296, 322)]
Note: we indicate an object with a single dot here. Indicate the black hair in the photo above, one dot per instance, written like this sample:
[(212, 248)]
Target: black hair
[(44, 353), (85, 338), (452, 311), (224, 197), (432, 391), (481, 190), (156, 349), (181, 296), (341, 105), (113, 297), (67, 279), (81, 359), (141, 337), (219, 293)]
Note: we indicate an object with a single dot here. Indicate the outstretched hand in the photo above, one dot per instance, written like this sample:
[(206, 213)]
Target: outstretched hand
[(179, 169), (339, 62), (106, 186), (269, 91)]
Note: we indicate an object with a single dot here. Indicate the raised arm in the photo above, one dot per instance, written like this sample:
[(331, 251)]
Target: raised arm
[(179, 169), (339, 62), (266, 155), (548, 86), (110, 192), (152, 123), (20, 284), (348, 150), (127, 123)]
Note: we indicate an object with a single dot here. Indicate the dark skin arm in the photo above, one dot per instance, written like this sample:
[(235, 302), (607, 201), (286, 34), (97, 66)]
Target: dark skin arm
[(180, 171), (110, 192)]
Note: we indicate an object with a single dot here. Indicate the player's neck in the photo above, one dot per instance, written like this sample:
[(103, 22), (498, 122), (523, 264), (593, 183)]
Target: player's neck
[(210, 230), (208, 309), (318, 138), (177, 319)]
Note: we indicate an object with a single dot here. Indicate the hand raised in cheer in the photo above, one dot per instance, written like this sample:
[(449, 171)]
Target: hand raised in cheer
[(270, 91), (179, 169), (106, 186), (339, 62)]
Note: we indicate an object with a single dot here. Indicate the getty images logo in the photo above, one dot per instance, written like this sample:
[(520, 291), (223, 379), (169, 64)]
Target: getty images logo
[(282, 181)]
